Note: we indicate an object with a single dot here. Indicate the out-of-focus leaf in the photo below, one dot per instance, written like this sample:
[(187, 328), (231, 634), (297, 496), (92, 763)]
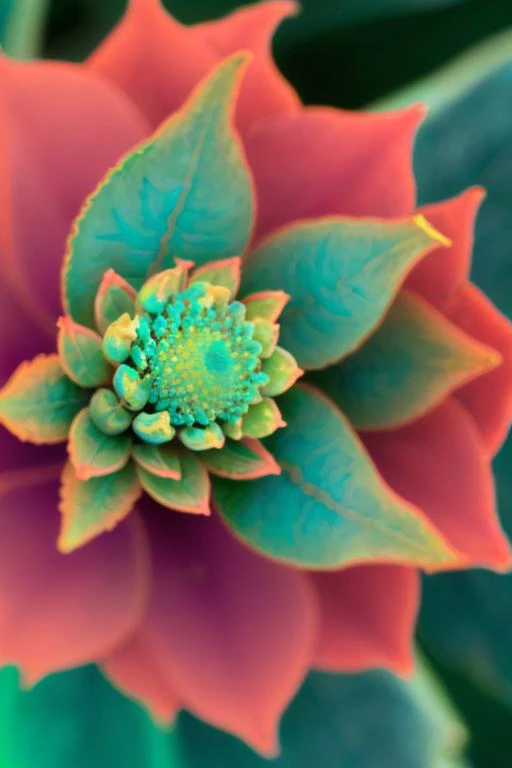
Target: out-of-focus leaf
[(22, 24), (371, 720), (77, 720)]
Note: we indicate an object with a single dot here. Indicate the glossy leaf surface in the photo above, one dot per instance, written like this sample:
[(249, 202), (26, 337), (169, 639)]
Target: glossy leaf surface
[(411, 363), (92, 452), (329, 506), (186, 193), (341, 274)]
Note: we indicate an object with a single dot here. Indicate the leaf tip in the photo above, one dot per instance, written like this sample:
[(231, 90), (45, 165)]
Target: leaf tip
[(434, 234)]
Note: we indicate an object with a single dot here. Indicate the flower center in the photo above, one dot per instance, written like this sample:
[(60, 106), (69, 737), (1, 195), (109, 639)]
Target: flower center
[(200, 355)]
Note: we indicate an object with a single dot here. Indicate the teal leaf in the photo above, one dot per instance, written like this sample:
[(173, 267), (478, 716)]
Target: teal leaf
[(410, 364), (186, 193), (91, 507), (342, 275), (191, 493), (92, 452), (329, 507), (39, 402), (76, 719), (81, 354), (370, 720), (115, 297)]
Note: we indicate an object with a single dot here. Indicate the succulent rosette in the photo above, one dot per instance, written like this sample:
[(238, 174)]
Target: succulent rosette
[(267, 392)]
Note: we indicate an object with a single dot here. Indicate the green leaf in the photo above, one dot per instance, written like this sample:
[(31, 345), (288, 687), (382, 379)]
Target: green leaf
[(329, 507), (160, 460), (39, 402), (186, 193), (409, 365), (370, 720), (115, 297), (225, 273), (191, 493), (76, 719), (341, 274), (91, 507), (81, 354), (245, 460), (92, 452)]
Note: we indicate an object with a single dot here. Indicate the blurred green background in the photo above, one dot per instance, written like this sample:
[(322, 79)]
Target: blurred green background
[(457, 56)]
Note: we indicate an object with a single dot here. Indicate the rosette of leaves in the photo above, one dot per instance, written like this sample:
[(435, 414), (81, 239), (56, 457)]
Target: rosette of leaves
[(179, 327)]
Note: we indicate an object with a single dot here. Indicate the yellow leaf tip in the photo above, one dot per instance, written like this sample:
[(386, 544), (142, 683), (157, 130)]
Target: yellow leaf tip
[(431, 231)]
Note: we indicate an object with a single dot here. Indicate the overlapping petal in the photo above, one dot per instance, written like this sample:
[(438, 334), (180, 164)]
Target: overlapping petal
[(488, 398), (134, 670), (59, 611), (318, 162), (61, 128), (368, 614), (233, 633), (141, 55), (438, 463)]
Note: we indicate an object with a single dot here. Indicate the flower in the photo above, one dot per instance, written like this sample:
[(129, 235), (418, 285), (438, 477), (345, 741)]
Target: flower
[(309, 557)]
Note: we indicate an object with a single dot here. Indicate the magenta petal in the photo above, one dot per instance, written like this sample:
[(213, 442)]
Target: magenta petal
[(489, 397), (136, 673), (438, 464), (59, 611), (61, 128), (368, 616), (325, 161), (233, 633), (265, 91)]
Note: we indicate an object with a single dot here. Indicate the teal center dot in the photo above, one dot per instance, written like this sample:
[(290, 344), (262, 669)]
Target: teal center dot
[(202, 360)]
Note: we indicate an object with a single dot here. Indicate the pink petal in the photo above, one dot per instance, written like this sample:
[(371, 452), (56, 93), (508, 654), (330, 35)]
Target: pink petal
[(444, 270), (61, 128), (438, 464), (136, 673), (265, 91), (368, 616), (489, 397), (233, 632), (325, 161), (153, 58), (59, 611)]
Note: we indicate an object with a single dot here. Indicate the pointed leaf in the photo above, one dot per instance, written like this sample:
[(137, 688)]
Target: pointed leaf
[(114, 298), (245, 460), (409, 365), (226, 273), (266, 305), (39, 402), (262, 419), (282, 371), (92, 452), (342, 275), (81, 354), (329, 507), (189, 494), (159, 460), (108, 413), (91, 507), (186, 193)]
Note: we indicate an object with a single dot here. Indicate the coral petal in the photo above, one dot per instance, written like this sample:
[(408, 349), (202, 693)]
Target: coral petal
[(153, 58), (60, 129), (59, 611), (443, 272), (488, 398), (246, 627), (135, 672), (325, 161), (438, 463), (265, 90), (368, 615)]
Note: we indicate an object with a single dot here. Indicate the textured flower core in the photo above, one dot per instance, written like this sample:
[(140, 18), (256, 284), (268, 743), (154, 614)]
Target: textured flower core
[(201, 358)]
